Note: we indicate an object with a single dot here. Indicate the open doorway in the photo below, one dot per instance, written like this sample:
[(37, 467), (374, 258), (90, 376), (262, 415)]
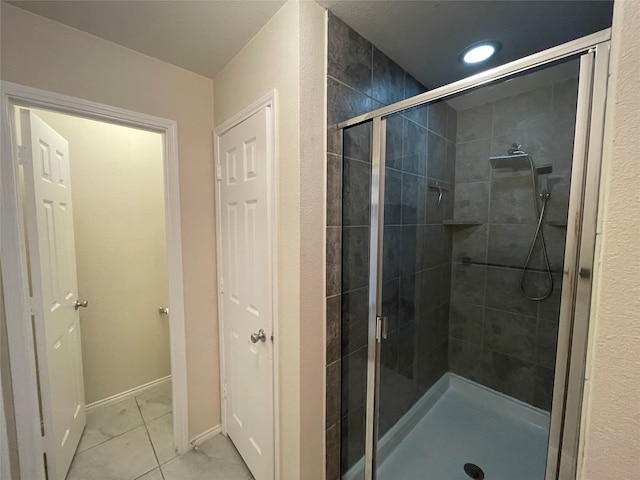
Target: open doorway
[(117, 334), (127, 376)]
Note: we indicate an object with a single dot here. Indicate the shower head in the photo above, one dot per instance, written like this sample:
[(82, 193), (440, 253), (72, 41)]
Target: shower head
[(519, 159), (514, 161)]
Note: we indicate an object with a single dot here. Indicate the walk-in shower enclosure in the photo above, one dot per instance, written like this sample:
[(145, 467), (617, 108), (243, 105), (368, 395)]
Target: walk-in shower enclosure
[(465, 218)]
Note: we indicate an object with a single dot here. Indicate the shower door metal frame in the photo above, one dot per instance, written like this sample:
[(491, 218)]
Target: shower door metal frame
[(564, 437), (566, 412), (375, 293)]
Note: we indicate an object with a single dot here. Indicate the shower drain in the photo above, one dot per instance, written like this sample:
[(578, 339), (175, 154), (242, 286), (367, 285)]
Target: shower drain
[(474, 471)]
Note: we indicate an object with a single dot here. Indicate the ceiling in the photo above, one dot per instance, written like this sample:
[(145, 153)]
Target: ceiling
[(200, 36), (425, 37)]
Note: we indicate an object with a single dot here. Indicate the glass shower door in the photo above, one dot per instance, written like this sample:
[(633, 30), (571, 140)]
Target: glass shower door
[(416, 266), (416, 261), (476, 201)]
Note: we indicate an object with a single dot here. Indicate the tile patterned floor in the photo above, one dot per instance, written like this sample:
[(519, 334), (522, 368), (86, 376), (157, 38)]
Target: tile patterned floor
[(133, 440)]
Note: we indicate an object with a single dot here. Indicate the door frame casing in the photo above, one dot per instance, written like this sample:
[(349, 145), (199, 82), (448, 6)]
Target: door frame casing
[(269, 101), (14, 261)]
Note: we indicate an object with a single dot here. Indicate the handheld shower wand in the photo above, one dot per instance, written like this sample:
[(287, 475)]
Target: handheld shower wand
[(515, 156)]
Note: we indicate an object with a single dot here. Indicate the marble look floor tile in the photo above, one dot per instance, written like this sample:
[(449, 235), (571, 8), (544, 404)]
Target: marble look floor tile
[(155, 402), (108, 422), (154, 474), (122, 458), (161, 433), (222, 448), (216, 459)]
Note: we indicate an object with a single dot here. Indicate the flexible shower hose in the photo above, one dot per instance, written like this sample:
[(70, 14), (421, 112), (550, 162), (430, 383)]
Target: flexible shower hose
[(539, 233)]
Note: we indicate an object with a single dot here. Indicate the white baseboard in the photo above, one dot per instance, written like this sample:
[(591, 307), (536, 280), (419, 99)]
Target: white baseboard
[(105, 402), (206, 435)]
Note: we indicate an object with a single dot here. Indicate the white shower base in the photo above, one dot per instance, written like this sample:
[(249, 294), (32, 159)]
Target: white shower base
[(459, 421)]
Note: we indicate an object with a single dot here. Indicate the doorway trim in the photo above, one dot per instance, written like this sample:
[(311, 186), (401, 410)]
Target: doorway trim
[(13, 259), (268, 100)]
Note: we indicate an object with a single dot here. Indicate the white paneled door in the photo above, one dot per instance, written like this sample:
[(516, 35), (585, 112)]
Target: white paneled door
[(244, 180), (45, 157)]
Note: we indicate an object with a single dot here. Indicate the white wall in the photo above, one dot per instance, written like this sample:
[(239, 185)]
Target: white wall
[(41, 53), (611, 436), (119, 222), (287, 55)]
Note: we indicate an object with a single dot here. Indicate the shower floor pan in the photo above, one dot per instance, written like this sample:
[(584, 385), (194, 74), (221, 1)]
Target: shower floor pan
[(460, 422)]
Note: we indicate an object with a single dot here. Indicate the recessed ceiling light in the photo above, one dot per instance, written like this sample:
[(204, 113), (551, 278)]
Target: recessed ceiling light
[(479, 52)]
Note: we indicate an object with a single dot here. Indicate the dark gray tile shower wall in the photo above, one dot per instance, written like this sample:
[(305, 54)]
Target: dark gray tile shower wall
[(497, 337), (451, 292), (417, 247)]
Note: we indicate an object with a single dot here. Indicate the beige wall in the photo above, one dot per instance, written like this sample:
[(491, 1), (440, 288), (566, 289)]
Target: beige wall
[(285, 55), (44, 54), (119, 222), (9, 467), (268, 61), (611, 436), (313, 167)]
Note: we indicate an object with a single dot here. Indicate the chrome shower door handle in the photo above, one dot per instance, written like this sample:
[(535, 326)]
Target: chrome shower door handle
[(259, 337), (80, 304), (382, 327)]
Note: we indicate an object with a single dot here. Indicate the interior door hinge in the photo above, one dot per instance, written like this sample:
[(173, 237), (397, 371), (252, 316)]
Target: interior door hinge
[(35, 308), (218, 171), (221, 285), (224, 390), (22, 155)]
